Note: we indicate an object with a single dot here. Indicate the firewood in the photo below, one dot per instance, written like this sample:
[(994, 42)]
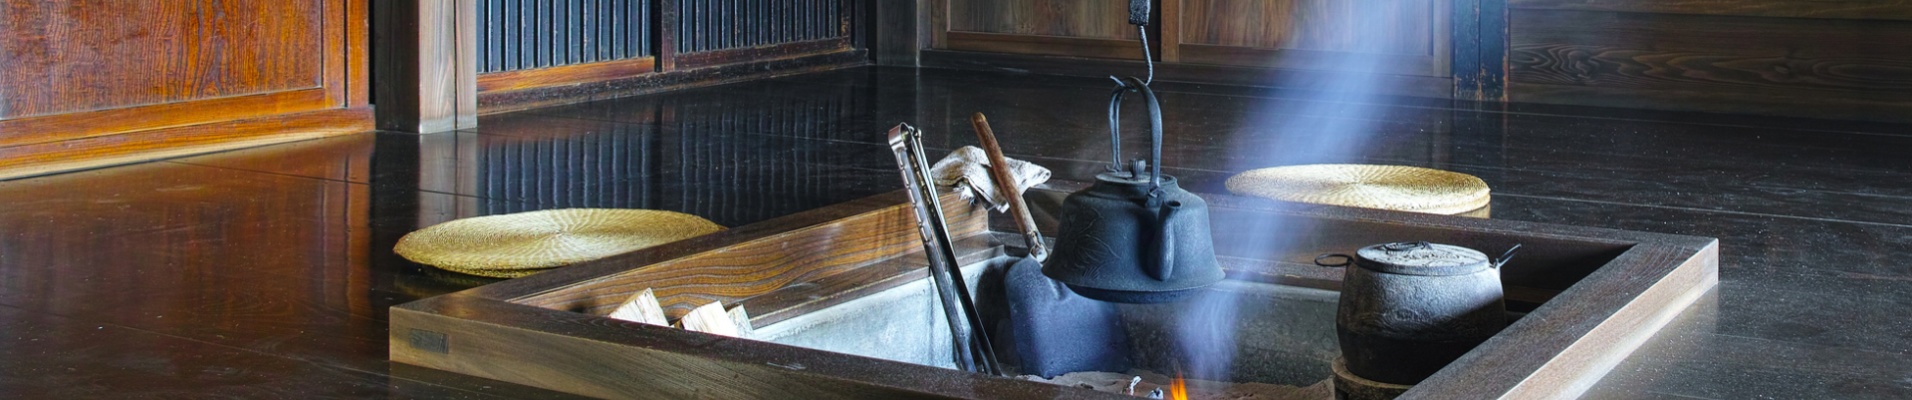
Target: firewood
[(711, 319), (643, 308), (741, 319)]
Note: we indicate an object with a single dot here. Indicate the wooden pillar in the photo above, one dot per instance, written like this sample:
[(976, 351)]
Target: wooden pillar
[(667, 35), (895, 30), (1171, 30), (426, 75), (1480, 50)]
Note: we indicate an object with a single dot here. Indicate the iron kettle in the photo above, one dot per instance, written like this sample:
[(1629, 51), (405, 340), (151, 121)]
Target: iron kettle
[(1134, 237)]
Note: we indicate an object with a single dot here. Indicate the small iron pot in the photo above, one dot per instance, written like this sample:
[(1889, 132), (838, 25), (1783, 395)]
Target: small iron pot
[(1409, 308)]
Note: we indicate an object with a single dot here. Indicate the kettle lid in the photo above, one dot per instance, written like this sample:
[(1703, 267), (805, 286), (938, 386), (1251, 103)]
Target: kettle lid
[(1421, 258)]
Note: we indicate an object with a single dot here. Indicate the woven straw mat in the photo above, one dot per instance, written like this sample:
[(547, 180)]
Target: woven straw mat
[(515, 245), (1387, 187)]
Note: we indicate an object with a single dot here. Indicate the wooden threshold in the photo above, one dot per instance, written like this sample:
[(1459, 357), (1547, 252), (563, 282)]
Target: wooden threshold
[(1127, 49), (761, 53), (78, 125), (515, 100), (566, 74), (130, 147)]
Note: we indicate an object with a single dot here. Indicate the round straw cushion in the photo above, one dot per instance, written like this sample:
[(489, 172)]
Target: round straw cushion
[(514, 245), (1387, 187)]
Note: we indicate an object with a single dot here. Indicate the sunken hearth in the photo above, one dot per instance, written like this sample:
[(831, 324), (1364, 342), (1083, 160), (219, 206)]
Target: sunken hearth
[(843, 309)]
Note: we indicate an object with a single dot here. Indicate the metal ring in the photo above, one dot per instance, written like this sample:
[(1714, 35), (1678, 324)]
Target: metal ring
[(1346, 260)]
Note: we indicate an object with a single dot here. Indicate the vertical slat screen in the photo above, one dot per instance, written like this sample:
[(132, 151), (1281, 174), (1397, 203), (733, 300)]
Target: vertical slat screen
[(709, 25), (529, 34), (613, 170), (734, 158), (743, 158)]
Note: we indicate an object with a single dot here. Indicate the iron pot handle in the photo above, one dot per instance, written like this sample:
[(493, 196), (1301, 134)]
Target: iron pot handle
[(1345, 260)]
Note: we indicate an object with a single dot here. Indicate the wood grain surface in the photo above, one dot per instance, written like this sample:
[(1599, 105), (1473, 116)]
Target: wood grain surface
[(679, 77), (1045, 45), (43, 158), (1398, 37), (78, 125), (1095, 19), (781, 51), (425, 73), (83, 55), (1403, 85), (1584, 349), (1835, 9), (99, 82), (763, 265), (1744, 64), (566, 74), (1368, 26)]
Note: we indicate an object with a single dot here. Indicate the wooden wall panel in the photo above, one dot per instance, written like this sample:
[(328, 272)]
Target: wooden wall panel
[(1818, 67), (1098, 19), (1373, 26), (89, 83), (1837, 9), (1394, 37), (82, 55), (1240, 23)]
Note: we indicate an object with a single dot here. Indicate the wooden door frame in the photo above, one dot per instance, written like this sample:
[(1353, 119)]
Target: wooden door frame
[(427, 70), (1480, 50)]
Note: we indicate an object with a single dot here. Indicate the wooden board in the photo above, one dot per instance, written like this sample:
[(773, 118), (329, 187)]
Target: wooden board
[(531, 331), (1092, 19), (1386, 39), (674, 78), (1753, 57), (1836, 9), (76, 154), (425, 74), (1299, 79), (97, 82)]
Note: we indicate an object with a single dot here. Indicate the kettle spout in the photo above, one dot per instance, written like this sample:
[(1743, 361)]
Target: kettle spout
[(1164, 265)]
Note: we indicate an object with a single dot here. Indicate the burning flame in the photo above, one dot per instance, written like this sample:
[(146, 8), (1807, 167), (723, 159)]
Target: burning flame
[(1178, 389)]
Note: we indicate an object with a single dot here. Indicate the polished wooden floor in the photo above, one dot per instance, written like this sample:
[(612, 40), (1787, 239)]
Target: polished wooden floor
[(266, 273)]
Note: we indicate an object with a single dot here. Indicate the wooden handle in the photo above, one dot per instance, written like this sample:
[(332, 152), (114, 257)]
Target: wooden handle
[(1006, 183)]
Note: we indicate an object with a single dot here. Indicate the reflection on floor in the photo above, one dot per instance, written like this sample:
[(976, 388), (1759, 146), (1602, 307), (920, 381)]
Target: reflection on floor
[(266, 273)]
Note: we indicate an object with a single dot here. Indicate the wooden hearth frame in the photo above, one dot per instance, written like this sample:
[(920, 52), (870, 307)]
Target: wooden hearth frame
[(546, 330)]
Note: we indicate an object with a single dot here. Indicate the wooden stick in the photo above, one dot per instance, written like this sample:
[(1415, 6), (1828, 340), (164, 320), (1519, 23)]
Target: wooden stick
[(1006, 183)]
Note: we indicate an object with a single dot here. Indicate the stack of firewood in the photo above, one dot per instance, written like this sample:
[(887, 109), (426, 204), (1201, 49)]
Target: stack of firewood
[(709, 318)]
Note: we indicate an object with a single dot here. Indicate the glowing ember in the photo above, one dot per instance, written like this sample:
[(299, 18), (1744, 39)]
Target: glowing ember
[(1178, 389)]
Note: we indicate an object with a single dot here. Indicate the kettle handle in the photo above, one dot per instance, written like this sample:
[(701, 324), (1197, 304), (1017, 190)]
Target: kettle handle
[(1127, 84), (1165, 234)]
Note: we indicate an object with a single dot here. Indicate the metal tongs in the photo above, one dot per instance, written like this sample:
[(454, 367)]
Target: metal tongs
[(973, 350)]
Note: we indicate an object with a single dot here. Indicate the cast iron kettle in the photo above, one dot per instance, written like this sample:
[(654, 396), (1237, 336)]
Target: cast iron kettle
[(1134, 237)]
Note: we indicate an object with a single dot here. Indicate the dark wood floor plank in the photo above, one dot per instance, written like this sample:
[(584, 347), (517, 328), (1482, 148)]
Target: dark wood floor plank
[(1689, 360), (45, 356)]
